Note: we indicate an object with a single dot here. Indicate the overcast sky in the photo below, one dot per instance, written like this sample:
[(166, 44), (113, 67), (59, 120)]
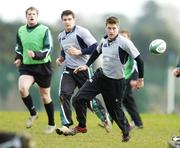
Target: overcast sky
[(50, 10)]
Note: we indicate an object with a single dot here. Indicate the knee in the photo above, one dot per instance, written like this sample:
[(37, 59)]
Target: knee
[(78, 102), (23, 91), (46, 98)]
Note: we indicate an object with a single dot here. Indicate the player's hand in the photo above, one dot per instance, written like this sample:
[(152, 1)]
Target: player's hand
[(59, 61), (176, 72), (74, 51), (80, 68), (17, 62), (31, 54), (133, 84), (140, 83)]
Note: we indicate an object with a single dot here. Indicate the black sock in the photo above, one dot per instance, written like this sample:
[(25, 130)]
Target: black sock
[(29, 104), (50, 112)]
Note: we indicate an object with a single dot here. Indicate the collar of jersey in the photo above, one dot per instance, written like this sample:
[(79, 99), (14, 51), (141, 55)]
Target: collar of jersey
[(72, 30), (32, 27), (109, 41)]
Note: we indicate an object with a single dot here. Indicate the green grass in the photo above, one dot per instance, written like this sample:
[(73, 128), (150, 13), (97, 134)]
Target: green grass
[(158, 129)]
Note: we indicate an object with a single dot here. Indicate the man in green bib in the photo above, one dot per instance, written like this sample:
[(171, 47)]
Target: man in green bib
[(131, 76), (33, 48)]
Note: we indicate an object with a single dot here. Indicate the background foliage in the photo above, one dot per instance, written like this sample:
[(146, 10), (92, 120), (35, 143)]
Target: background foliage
[(154, 22)]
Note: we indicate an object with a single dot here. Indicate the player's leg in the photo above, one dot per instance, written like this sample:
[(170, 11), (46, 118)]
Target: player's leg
[(98, 108), (66, 89), (131, 106), (101, 113), (86, 93), (113, 95), (24, 84), (49, 107), (44, 90)]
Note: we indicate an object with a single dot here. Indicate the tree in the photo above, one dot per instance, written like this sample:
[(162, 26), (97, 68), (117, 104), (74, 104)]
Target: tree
[(151, 26)]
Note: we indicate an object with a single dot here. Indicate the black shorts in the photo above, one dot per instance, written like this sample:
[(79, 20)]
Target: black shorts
[(43, 81)]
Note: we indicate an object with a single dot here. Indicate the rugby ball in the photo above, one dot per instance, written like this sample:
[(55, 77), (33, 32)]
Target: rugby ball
[(157, 46)]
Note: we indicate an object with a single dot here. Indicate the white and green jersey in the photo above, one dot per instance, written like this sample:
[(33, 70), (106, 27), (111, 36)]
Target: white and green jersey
[(129, 67)]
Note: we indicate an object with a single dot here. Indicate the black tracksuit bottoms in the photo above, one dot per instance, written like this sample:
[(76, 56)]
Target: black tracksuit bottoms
[(112, 91), (130, 103)]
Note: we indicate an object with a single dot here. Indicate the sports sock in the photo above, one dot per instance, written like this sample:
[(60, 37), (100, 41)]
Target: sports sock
[(29, 104), (99, 110), (50, 112)]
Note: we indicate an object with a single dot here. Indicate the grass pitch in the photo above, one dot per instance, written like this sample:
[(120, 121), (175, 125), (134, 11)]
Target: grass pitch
[(158, 130)]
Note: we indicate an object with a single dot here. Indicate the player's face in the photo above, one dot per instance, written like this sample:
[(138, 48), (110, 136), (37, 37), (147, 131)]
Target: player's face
[(112, 31), (31, 17), (68, 22)]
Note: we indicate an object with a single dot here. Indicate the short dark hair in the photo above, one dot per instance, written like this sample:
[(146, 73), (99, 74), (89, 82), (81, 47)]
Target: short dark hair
[(67, 12), (112, 20), (32, 8)]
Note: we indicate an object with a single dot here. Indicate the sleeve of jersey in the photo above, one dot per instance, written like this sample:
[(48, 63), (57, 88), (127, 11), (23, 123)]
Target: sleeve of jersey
[(63, 53), (95, 55), (47, 47), (140, 66), (89, 49), (90, 43), (131, 49), (18, 48)]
